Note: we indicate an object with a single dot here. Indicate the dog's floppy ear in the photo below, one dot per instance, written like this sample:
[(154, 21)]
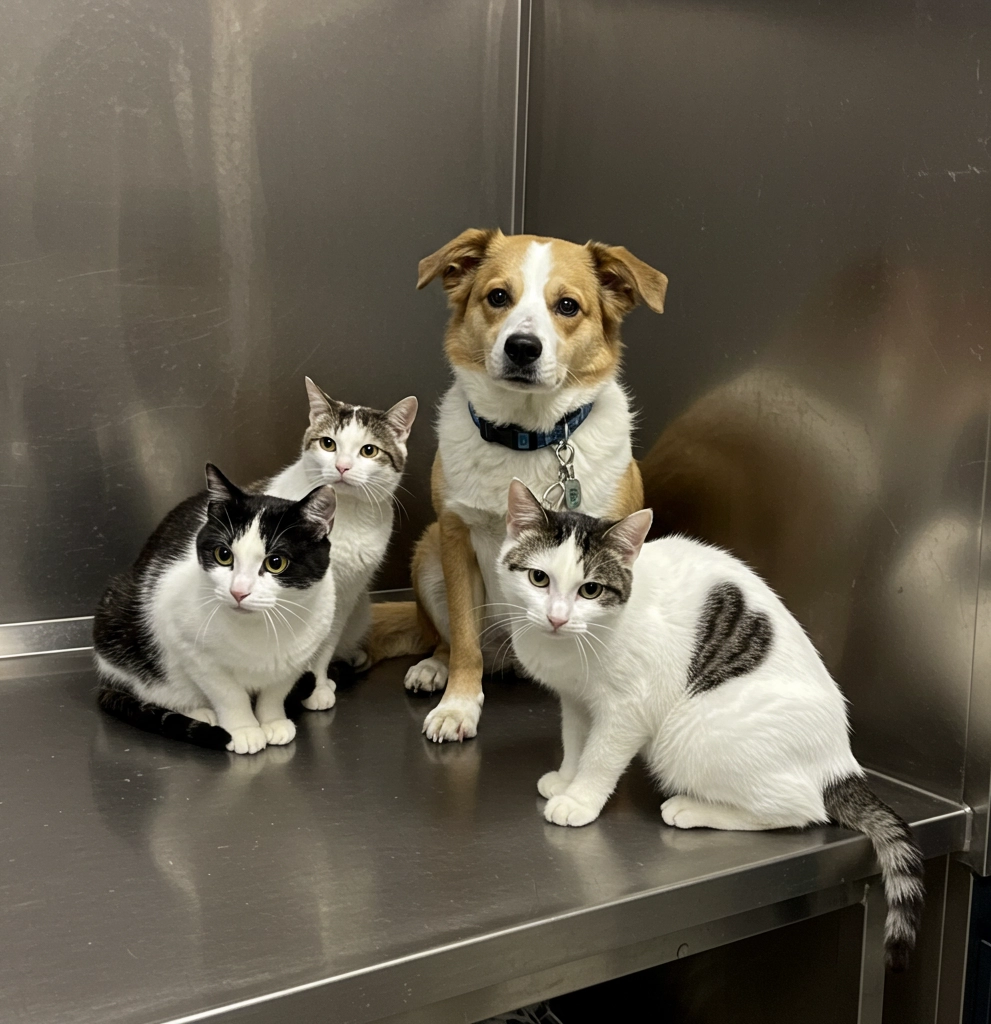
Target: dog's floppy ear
[(626, 280), (456, 259)]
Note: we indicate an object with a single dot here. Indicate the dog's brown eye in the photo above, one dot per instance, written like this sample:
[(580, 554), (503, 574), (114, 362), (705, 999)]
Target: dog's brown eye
[(590, 590), (369, 451), (567, 307), (538, 578), (498, 297), (328, 444)]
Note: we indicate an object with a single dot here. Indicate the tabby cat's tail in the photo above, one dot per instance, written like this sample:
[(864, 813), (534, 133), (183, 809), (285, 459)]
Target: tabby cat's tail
[(153, 718), (851, 804)]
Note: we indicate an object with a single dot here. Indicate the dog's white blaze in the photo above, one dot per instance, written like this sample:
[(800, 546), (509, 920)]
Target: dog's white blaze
[(530, 315)]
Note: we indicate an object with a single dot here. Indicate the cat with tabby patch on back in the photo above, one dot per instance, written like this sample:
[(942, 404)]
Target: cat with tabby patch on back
[(677, 651), (362, 452), (226, 606)]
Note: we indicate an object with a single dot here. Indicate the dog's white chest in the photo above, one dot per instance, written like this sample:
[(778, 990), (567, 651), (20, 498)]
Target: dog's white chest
[(477, 473)]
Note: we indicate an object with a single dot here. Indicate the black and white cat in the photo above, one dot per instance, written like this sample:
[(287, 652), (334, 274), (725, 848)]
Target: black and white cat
[(228, 602), (362, 452), (691, 660)]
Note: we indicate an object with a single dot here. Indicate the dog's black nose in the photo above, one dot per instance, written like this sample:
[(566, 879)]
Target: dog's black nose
[(523, 349)]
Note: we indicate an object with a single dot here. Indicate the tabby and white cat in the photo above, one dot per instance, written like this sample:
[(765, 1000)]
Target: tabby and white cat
[(229, 600), (362, 452), (692, 661)]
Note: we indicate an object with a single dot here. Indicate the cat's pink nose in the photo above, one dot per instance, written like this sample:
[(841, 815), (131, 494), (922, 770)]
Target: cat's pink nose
[(342, 467), (556, 622), (238, 594)]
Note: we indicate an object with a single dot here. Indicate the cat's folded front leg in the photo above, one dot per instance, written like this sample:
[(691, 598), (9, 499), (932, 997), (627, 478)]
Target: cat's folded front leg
[(270, 707), (611, 745), (232, 704), (574, 730)]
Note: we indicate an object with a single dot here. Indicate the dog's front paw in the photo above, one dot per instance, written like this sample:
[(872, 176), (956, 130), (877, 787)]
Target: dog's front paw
[(426, 676), (248, 740), (453, 720), (566, 810), (323, 697), (552, 784), (280, 732)]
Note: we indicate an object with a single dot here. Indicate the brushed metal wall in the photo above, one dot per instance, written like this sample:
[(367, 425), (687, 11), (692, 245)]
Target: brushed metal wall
[(199, 203), (815, 180)]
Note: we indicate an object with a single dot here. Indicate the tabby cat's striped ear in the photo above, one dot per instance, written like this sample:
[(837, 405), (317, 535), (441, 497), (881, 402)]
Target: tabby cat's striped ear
[(524, 511), (627, 536), (319, 401)]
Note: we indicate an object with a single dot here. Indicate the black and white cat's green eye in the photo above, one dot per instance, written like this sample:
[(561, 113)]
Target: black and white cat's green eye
[(276, 564), (369, 450), (223, 555), (590, 590), (328, 444), (539, 578)]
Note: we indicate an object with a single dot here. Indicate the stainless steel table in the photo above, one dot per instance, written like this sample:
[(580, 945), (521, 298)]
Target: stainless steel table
[(361, 873)]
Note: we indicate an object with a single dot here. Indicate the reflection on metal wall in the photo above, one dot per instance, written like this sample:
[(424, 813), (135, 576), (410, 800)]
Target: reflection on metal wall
[(201, 202), (816, 182)]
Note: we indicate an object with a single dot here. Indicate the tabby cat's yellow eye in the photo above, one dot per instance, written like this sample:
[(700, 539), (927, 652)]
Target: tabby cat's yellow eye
[(590, 590), (328, 444), (224, 556), (539, 578), (369, 451), (276, 564)]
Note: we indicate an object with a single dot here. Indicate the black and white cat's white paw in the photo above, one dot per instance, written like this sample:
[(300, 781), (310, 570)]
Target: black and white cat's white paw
[(322, 698), (552, 784), (564, 809), (248, 740), (280, 732), (427, 676)]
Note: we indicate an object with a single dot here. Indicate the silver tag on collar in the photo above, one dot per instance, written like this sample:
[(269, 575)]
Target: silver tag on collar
[(569, 490), (572, 494)]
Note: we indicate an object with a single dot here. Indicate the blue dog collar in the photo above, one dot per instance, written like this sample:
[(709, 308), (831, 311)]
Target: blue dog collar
[(520, 440)]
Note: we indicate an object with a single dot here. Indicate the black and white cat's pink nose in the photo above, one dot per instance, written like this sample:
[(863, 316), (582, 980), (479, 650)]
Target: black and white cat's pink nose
[(557, 621), (342, 466), (239, 593)]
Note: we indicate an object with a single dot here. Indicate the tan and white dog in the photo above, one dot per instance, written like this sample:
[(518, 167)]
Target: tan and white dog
[(534, 342)]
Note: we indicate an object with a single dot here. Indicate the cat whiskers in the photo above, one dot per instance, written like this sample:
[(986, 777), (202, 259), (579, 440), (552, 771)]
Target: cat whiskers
[(369, 494), (583, 656), (386, 493), (507, 622), (508, 642), (229, 533), (202, 631), (278, 611), (268, 619), (279, 602)]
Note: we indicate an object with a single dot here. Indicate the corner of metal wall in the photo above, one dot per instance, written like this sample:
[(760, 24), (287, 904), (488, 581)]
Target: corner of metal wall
[(518, 211), (977, 755)]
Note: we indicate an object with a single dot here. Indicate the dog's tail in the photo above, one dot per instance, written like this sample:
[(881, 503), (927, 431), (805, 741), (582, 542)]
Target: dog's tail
[(399, 629), (153, 718), (852, 804)]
